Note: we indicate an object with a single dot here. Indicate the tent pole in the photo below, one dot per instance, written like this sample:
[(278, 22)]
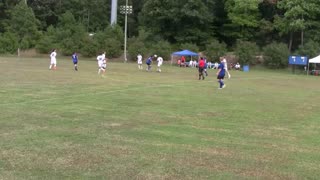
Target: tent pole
[(308, 69)]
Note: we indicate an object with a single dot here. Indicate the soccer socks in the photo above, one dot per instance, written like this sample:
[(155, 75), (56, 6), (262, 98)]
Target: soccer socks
[(221, 83)]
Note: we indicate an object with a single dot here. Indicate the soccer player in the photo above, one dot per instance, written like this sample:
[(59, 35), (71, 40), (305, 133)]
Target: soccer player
[(221, 74), (75, 60), (205, 67), (226, 67), (53, 60), (149, 62), (201, 68), (101, 60), (139, 59), (160, 61)]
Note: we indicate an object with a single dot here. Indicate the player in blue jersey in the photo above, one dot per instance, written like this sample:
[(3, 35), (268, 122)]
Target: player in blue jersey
[(220, 74), (75, 60), (149, 62)]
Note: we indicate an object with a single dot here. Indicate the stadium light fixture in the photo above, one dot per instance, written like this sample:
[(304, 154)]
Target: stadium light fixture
[(125, 10)]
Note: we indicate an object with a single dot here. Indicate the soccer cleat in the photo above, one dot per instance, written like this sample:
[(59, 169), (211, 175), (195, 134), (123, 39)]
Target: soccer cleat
[(224, 86)]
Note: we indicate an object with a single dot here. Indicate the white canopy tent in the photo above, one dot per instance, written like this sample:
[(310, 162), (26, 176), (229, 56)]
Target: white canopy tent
[(314, 60)]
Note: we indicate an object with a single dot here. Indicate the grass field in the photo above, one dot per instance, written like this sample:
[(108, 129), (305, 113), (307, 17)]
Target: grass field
[(145, 125)]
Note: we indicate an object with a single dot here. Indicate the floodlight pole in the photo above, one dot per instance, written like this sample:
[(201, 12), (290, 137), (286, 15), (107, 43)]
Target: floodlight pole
[(125, 32), (125, 10)]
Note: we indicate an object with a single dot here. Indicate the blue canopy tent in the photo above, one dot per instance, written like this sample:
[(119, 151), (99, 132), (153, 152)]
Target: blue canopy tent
[(183, 53)]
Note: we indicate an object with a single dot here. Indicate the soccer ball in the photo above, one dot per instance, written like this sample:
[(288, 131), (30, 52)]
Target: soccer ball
[(155, 56)]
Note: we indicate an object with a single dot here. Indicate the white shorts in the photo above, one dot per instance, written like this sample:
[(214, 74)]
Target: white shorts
[(53, 61), (100, 64)]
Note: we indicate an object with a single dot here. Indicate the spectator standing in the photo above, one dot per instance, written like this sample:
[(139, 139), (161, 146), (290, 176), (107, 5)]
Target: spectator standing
[(190, 63), (183, 61), (237, 66)]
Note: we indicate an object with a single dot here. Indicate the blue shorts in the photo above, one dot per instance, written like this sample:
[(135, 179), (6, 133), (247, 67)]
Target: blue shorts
[(220, 76)]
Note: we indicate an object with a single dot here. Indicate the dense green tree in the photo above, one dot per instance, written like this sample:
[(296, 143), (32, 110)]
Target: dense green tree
[(24, 25), (193, 22), (177, 21), (297, 16), (69, 34), (45, 11), (244, 17)]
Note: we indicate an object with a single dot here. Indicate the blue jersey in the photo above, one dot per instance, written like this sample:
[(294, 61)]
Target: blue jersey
[(149, 60), (74, 58), (222, 70)]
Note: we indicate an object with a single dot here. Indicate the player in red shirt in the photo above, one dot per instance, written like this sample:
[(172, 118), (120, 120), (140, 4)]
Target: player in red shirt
[(201, 68)]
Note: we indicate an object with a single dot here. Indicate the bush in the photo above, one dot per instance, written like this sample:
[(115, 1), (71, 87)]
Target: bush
[(90, 47), (136, 46), (163, 49), (276, 55), (48, 41), (8, 43), (246, 52), (113, 47), (215, 50)]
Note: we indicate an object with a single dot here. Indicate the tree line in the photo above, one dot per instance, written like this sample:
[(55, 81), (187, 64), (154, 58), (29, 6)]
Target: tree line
[(272, 28)]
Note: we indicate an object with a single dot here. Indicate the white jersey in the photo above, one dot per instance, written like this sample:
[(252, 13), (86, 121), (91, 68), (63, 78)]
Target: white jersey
[(160, 61), (100, 60), (225, 64), (53, 57), (139, 57)]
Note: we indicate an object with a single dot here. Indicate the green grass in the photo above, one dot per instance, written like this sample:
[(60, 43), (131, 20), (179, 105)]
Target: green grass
[(138, 125)]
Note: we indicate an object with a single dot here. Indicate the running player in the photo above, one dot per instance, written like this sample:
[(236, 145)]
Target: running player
[(53, 60), (160, 61)]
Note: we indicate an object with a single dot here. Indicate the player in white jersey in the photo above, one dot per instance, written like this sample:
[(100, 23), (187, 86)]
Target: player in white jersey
[(101, 63), (160, 61), (139, 60), (53, 60), (226, 67)]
